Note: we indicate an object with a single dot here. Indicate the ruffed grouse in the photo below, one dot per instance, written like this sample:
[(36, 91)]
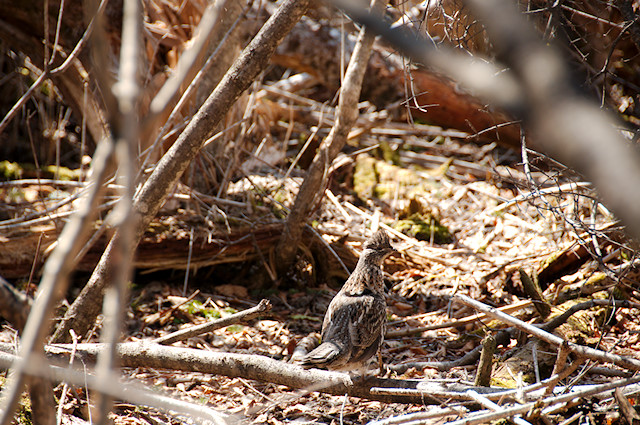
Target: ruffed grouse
[(353, 326)]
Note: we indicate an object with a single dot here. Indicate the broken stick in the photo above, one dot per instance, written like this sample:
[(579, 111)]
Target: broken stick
[(183, 334)]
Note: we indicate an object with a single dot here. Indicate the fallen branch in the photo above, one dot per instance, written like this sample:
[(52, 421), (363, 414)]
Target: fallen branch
[(191, 331), (262, 368), (559, 320), (580, 350)]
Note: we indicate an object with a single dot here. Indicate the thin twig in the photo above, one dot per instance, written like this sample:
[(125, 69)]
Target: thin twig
[(530, 195), (456, 322), (192, 331)]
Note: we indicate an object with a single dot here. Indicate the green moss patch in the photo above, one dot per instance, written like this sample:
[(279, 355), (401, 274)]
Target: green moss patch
[(417, 221)]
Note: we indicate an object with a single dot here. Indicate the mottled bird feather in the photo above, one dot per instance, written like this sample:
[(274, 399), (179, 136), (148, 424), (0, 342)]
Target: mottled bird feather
[(353, 326)]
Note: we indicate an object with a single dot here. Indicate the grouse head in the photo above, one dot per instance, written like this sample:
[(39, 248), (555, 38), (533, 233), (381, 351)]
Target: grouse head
[(378, 247)]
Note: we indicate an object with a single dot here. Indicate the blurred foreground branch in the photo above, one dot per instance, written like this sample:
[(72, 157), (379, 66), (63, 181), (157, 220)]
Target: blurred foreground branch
[(537, 88), (54, 282)]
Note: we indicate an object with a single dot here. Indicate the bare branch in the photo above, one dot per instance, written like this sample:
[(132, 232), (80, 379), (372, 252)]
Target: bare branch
[(192, 331), (580, 350), (316, 177)]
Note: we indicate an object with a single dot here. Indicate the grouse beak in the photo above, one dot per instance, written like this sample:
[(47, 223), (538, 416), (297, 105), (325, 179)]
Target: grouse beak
[(391, 252)]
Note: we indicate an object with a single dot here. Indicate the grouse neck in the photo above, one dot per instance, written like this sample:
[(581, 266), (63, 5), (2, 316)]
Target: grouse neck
[(366, 276), (372, 257)]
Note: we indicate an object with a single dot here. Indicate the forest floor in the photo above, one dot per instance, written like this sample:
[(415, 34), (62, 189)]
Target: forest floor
[(489, 230), (467, 217)]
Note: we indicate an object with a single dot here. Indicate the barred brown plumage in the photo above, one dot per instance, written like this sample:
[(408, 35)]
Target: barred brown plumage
[(353, 327)]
